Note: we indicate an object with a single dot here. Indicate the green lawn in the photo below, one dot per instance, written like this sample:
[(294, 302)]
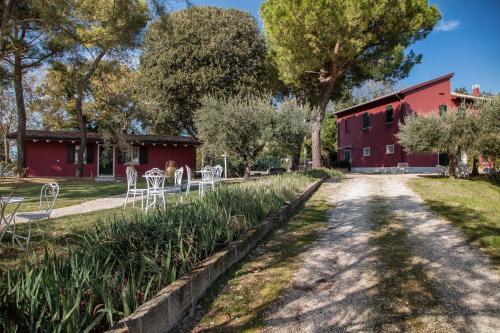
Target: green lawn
[(71, 192), (473, 205), (57, 234)]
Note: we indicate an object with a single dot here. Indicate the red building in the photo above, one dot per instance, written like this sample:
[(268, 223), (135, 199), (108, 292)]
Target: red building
[(54, 154), (366, 132)]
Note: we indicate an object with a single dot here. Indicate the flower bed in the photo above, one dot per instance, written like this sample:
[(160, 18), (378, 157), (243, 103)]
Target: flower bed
[(122, 263)]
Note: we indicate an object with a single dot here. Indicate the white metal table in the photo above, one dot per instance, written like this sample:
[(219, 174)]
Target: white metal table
[(9, 220)]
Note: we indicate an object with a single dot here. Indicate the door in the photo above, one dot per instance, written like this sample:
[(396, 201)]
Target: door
[(347, 155), (106, 165)]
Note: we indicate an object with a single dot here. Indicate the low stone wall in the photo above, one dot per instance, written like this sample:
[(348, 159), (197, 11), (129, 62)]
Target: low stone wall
[(161, 313)]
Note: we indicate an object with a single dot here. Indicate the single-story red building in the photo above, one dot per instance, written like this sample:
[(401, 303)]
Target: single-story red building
[(366, 132), (54, 154)]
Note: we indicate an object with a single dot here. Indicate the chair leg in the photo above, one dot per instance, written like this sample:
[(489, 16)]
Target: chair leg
[(164, 203), (142, 201), (126, 199), (133, 202)]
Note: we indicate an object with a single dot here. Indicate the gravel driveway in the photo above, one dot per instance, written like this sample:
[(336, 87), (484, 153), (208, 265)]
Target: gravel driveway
[(340, 286)]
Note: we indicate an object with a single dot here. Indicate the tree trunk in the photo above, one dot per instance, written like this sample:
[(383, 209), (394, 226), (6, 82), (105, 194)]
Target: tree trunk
[(452, 166), (6, 147), (247, 171), (82, 126), (21, 115), (326, 92), (475, 167), (293, 162)]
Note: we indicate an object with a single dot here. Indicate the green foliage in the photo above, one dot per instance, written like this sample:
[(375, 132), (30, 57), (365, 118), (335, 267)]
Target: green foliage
[(124, 262), (451, 133), (488, 142), (290, 127), (323, 173), (320, 47), (195, 52), (372, 35), (239, 126)]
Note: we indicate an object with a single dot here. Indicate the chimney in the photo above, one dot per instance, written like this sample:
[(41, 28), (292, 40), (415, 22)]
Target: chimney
[(475, 90)]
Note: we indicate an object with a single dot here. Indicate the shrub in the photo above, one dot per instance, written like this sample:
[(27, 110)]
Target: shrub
[(323, 173), (122, 263)]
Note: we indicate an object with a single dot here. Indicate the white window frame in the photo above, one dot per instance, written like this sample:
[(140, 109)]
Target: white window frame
[(133, 156), (388, 150), (365, 150)]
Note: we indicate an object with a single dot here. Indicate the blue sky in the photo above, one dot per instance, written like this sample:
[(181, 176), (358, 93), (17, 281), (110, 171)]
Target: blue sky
[(466, 41)]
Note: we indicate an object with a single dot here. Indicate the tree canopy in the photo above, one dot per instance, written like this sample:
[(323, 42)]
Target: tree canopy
[(238, 125), (195, 52), (343, 42), (452, 133)]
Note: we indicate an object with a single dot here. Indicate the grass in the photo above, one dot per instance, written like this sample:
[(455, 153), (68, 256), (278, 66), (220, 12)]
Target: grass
[(404, 298), (239, 299), (472, 205), (71, 192)]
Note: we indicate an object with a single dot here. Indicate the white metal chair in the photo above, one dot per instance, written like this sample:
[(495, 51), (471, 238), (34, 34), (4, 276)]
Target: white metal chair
[(190, 181), (177, 187), (155, 178), (207, 179), (48, 197), (217, 175), (132, 187)]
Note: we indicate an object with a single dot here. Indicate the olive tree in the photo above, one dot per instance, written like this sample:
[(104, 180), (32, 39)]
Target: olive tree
[(238, 125), (290, 127), (452, 133)]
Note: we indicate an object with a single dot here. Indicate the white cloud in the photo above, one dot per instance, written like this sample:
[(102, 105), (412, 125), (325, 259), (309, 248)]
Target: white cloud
[(449, 25)]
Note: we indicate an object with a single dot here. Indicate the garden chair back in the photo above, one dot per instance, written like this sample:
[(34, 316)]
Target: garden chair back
[(217, 174), (207, 179), (190, 181), (132, 187), (155, 179), (48, 197)]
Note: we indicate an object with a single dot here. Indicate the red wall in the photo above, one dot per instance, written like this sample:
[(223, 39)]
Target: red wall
[(423, 100), (49, 159)]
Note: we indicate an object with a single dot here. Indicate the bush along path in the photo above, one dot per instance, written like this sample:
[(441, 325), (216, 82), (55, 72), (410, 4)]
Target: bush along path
[(382, 263), (123, 262)]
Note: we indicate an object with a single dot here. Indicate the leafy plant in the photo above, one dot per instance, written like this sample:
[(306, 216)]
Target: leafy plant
[(123, 262)]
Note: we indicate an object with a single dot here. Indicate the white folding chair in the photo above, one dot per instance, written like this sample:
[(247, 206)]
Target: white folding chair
[(132, 187), (48, 197), (155, 178)]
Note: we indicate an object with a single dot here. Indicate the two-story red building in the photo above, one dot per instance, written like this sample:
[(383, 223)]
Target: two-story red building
[(54, 154), (366, 132)]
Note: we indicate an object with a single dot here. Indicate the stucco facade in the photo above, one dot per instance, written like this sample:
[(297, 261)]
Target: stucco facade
[(374, 148)]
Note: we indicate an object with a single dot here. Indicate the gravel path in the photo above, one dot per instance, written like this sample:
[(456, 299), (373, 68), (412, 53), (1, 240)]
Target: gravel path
[(335, 288), (89, 206)]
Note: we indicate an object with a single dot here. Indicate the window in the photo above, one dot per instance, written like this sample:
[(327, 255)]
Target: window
[(366, 151), (346, 125), (366, 120), (389, 149), (347, 155), (389, 114), (132, 155), (88, 154), (442, 109)]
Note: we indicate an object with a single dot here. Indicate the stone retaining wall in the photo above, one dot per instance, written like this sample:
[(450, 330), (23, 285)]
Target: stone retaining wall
[(161, 313)]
